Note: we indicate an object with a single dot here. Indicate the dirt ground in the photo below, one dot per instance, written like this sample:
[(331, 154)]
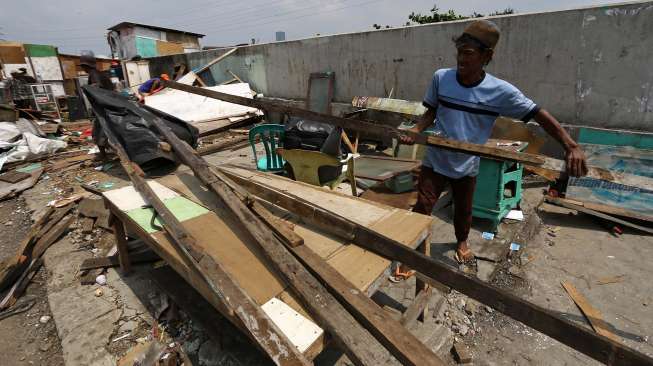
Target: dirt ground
[(24, 338)]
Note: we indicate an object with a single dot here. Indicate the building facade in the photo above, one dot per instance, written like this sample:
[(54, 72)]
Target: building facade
[(128, 40)]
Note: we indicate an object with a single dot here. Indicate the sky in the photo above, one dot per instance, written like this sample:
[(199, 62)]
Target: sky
[(76, 26)]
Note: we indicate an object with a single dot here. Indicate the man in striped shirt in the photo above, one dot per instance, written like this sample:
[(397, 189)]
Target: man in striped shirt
[(464, 103)]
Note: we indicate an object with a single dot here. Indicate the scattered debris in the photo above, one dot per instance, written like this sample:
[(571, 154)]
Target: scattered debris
[(101, 280), (461, 353), (487, 236), (609, 280), (517, 215), (44, 319)]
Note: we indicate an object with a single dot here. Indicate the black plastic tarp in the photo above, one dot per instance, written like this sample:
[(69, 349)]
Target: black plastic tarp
[(130, 123)]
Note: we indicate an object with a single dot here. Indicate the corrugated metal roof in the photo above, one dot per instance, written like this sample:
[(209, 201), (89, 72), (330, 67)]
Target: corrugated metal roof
[(118, 26)]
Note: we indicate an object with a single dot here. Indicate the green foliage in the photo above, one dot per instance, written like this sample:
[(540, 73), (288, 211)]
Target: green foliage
[(436, 16)]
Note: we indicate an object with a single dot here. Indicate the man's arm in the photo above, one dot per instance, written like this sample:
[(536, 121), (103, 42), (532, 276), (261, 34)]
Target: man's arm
[(422, 123), (575, 158)]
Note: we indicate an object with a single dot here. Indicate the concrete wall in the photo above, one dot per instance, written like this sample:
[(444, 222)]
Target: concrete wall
[(588, 66)]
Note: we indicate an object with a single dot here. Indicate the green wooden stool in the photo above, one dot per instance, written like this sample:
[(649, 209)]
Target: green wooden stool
[(498, 188)]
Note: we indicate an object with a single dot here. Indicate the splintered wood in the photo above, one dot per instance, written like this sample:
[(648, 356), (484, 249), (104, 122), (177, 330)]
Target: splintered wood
[(592, 314)]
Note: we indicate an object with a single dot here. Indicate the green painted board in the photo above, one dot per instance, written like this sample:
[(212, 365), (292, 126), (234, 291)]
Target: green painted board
[(30, 168), (183, 209), (39, 50), (615, 138), (146, 47)]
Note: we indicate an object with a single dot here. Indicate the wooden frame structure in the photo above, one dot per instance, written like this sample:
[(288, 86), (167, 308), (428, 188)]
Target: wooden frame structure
[(346, 328), (390, 333)]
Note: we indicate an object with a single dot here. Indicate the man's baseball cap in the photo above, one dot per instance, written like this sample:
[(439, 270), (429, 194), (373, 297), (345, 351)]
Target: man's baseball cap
[(484, 31)]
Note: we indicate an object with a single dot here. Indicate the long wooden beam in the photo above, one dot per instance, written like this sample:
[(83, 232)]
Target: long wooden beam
[(362, 126), (359, 345), (267, 334), (593, 345), (554, 166)]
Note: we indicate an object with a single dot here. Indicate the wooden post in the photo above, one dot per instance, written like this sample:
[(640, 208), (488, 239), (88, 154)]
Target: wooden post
[(121, 244), (424, 248)]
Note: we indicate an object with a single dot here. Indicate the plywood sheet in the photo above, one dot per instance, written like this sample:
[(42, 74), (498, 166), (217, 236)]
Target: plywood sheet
[(69, 69), (183, 208), (12, 54), (233, 249), (359, 266), (408, 228), (322, 244), (127, 198), (169, 48), (360, 211)]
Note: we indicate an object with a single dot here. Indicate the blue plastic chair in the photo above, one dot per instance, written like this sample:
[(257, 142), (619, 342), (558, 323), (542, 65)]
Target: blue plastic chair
[(271, 136)]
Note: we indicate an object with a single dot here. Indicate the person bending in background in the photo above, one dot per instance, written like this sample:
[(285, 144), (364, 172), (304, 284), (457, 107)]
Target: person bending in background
[(150, 87)]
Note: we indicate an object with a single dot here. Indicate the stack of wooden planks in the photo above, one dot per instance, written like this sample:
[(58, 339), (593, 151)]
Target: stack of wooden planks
[(242, 213)]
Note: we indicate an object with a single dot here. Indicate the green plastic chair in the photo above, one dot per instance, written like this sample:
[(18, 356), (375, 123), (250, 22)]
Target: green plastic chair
[(271, 135)]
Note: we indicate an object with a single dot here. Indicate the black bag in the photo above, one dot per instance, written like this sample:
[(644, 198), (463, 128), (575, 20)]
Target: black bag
[(315, 136), (131, 125)]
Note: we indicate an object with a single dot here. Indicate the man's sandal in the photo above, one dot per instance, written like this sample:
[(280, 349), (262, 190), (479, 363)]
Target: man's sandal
[(464, 257), (399, 276)]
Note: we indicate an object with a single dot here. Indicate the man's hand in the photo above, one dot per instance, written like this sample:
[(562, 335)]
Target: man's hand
[(409, 140), (576, 162)]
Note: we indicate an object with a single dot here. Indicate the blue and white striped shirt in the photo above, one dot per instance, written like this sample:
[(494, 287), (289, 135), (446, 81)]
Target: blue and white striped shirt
[(467, 113)]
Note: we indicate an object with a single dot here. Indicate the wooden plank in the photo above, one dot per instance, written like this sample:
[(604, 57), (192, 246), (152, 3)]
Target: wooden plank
[(14, 176), (543, 320), (359, 345), (592, 314), (575, 205), (415, 309), (454, 145), (121, 244), (397, 339), (260, 326), (362, 126), (8, 266), (114, 261), (223, 145)]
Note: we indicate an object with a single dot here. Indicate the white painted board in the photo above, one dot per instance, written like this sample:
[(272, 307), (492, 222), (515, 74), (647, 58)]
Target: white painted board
[(301, 331), (127, 198), (47, 68), (196, 108)]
